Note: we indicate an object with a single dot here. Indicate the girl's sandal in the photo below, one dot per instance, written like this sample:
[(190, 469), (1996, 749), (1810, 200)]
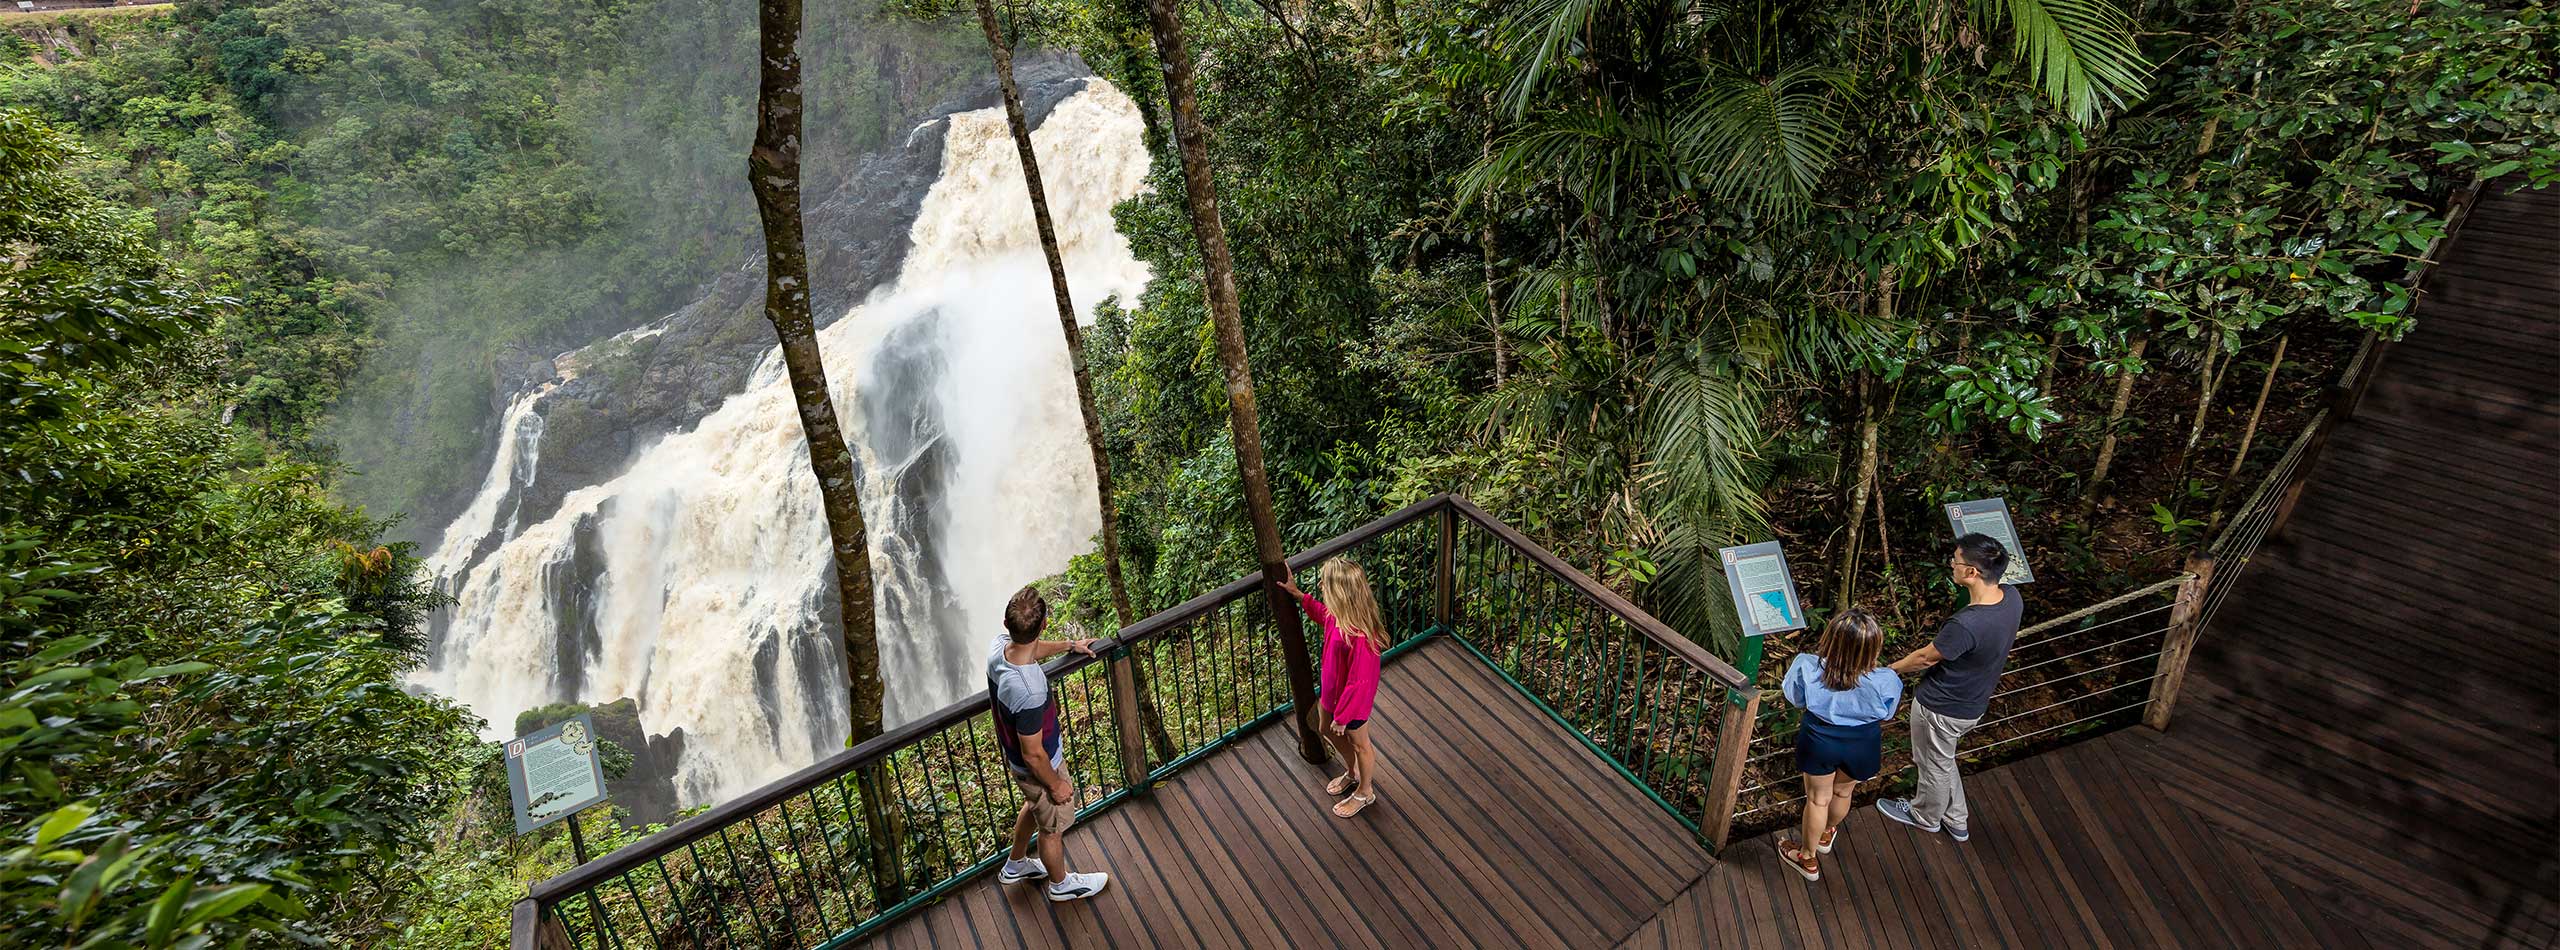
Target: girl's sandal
[(1805, 865), (1351, 806), (1827, 838), (1341, 785)]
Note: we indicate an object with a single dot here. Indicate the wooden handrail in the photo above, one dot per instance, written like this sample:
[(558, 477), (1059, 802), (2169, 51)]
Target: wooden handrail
[(530, 915), (1686, 650), (880, 747)]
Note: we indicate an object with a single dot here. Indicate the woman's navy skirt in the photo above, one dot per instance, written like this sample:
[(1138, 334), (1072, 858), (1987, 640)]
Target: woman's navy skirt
[(1823, 748)]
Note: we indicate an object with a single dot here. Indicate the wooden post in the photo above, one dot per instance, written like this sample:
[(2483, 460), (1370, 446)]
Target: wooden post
[(2179, 643), (1443, 574), (1124, 717), (1733, 745), (531, 929)]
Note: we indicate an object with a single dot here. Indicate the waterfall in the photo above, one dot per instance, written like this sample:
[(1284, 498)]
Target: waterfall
[(698, 580)]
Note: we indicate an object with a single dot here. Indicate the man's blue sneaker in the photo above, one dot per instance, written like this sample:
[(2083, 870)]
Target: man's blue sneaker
[(1899, 809), (1959, 834)]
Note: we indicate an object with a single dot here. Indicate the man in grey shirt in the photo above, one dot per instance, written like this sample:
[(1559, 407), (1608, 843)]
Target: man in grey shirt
[(1963, 667), (1029, 734)]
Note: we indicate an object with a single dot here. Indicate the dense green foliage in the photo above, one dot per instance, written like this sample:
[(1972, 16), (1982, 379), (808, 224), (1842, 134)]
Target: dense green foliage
[(203, 733), (1639, 276)]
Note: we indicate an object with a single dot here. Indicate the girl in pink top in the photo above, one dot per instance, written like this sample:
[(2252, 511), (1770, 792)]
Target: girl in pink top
[(1348, 682)]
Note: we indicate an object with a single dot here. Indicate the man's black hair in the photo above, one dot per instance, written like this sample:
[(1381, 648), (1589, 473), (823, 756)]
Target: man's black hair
[(1985, 554)]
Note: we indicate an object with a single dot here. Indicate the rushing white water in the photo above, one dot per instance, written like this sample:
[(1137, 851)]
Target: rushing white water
[(698, 580)]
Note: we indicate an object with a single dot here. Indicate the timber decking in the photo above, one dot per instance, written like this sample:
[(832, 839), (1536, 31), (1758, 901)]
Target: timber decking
[(2364, 757), (1494, 828)]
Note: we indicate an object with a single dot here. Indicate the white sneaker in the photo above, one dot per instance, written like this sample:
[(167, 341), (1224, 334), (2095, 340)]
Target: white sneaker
[(1079, 886), (1016, 872)]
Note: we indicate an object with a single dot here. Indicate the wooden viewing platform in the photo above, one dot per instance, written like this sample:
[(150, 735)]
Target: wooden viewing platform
[(2366, 754), (2356, 762)]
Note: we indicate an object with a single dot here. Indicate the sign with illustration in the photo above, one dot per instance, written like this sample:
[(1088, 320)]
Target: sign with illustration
[(1991, 516), (554, 773), (1764, 591)]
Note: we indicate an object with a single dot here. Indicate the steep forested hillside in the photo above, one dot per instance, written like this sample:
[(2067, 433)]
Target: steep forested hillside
[(415, 200)]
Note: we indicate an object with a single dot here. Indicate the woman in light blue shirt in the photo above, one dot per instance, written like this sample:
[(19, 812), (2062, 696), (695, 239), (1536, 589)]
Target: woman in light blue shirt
[(1846, 698)]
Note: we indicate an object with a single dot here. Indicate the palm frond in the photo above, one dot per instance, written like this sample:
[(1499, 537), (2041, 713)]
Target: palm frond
[(1595, 152), (2081, 52), (1543, 32), (1763, 143), (1702, 431)]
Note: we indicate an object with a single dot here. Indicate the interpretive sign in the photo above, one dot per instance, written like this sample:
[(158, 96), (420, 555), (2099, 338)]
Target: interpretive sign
[(1991, 516), (554, 772), (1764, 591)]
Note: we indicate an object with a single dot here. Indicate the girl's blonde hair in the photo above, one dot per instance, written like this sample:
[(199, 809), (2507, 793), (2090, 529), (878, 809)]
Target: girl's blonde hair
[(1851, 645), (1346, 592)]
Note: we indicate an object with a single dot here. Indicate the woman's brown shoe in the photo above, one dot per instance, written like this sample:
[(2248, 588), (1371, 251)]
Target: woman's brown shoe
[(1805, 865)]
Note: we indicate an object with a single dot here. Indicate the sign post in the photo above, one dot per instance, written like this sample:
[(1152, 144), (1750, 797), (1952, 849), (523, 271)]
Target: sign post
[(555, 774), (1990, 516), (1764, 596)]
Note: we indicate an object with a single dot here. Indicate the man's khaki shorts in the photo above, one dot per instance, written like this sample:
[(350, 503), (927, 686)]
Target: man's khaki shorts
[(1047, 815)]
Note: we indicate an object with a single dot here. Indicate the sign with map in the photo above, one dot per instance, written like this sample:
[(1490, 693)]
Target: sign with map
[(1991, 516), (554, 773), (1764, 591)]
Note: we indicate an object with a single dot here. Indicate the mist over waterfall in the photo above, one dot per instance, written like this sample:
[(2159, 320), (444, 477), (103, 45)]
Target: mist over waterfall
[(697, 580)]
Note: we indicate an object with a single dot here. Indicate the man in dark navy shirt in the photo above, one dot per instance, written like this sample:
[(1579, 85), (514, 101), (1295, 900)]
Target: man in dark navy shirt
[(1963, 667)]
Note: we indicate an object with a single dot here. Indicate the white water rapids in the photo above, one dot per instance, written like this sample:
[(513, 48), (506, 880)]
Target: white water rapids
[(699, 578)]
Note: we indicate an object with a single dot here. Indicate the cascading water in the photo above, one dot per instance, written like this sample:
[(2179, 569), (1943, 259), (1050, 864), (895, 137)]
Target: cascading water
[(698, 579)]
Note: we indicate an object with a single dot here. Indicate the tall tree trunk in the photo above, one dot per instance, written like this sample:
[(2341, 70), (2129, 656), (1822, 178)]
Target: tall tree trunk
[(1021, 127), (773, 172), (1864, 482), (773, 168), (2208, 382), (2248, 434), (2115, 416), (1485, 243), (1219, 263)]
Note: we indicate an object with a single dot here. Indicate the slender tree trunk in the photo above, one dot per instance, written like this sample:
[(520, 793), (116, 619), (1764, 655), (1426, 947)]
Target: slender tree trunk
[(773, 167), (1863, 483), (1192, 135), (2115, 416), (1021, 127), (2248, 434), (2208, 382), (1492, 293), (773, 172)]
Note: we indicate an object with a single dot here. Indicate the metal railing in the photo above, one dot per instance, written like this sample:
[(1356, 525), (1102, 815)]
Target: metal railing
[(833, 851), (2078, 673), (1650, 702)]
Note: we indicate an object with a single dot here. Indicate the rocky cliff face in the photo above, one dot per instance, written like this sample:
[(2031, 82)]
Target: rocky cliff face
[(619, 393)]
